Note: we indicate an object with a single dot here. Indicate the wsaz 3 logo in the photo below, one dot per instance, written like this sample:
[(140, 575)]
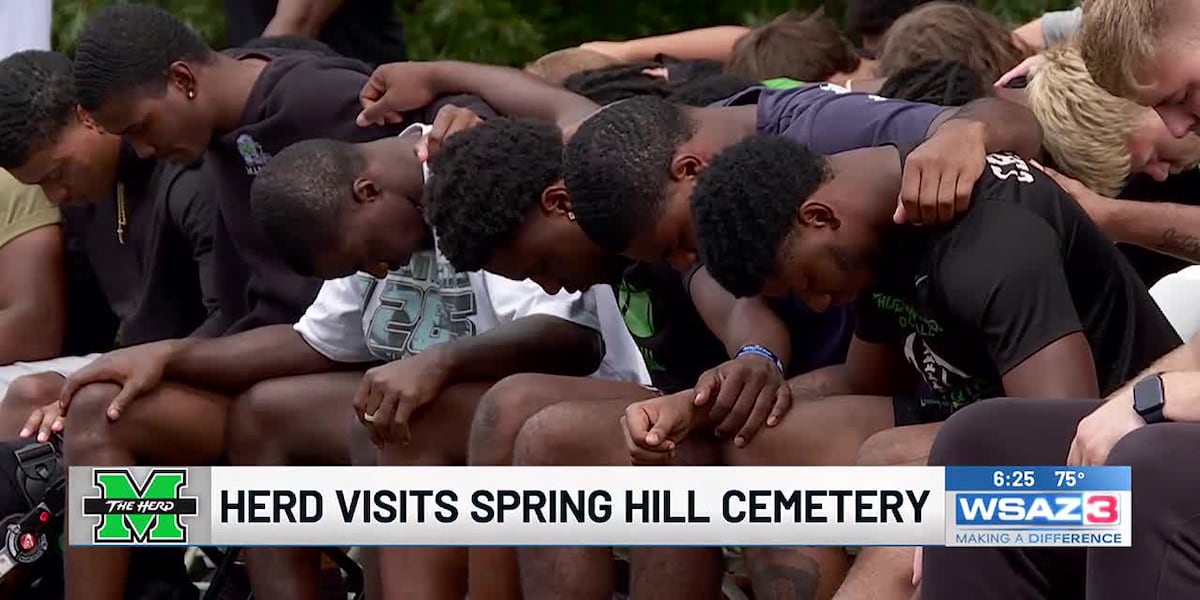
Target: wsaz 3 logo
[(1037, 509), (149, 511)]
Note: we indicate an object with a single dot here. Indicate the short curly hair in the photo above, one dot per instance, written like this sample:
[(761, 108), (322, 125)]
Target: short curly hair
[(744, 207), (37, 102), (131, 46), (793, 45), (483, 183), (1087, 129), (951, 31), (299, 198), (617, 166)]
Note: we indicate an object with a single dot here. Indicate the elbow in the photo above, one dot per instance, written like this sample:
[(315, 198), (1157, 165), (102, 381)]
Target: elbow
[(588, 353)]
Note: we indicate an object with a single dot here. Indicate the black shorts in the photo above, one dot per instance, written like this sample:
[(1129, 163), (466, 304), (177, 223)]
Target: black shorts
[(913, 410)]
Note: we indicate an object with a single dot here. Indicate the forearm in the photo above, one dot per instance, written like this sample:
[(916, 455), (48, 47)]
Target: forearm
[(828, 381), (533, 344), (238, 361), (710, 43), (28, 334), (738, 322), (1172, 229), (511, 92), (1183, 358), (301, 17), (1181, 392), (1006, 126)]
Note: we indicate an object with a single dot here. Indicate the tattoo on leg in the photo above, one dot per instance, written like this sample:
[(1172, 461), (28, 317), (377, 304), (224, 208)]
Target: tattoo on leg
[(1180, 244), (793, 580)]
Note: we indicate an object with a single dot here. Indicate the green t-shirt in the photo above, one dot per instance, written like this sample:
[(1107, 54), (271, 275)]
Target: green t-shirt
[(23, 208)]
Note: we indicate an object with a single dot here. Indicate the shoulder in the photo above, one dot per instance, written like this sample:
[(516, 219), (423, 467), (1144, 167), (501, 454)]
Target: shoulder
[(23, 208), (994, 241)]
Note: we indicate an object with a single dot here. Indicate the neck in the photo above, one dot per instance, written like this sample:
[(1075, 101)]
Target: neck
[(870, 179), (393, 162), (719, 128), (233, 82)]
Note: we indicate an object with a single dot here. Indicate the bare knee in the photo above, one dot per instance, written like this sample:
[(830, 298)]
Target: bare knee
[(87, 426), (878, 451), (249, 425), (553, 437), (501, 413), (33, 391)]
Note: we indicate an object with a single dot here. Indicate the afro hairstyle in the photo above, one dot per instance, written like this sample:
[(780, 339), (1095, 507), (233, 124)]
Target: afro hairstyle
[(485, 181), (744, 207), (617, 166)]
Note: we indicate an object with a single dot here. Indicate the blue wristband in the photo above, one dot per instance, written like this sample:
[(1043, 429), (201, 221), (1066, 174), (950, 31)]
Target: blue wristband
[(763, 352)]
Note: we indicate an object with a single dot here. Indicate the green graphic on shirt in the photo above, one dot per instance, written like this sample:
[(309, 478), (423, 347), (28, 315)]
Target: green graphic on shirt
[(782, 83), (907, 315), (638, 312), (952, 384)]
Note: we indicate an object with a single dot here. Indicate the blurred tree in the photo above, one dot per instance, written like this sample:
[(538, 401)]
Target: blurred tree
[(517, 31)]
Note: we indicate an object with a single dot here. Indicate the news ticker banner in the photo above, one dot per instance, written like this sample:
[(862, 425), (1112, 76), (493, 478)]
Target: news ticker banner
[(600, 506)]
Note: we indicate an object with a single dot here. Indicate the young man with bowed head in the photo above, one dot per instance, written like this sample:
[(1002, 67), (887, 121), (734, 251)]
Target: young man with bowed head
[(144, 229), (1023, 296)]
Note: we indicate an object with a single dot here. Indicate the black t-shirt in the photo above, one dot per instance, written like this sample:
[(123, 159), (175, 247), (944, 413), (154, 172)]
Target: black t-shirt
[(159, 283), (368, 30), (1021, 269)]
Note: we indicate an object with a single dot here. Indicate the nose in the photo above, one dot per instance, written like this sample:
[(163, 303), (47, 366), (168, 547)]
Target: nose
[(142, 149), (682, 260), (1178, 119), (56, 194), (819, 303), (550, 287), (377, 270)]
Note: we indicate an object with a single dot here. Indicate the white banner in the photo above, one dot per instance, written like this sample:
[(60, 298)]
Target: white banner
[(576, 506)]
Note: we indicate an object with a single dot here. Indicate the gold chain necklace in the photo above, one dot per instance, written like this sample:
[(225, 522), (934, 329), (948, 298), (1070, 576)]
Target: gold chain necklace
[(121, 213)]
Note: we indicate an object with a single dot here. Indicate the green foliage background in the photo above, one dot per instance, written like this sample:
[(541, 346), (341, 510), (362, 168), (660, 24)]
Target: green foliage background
[(517, 31)]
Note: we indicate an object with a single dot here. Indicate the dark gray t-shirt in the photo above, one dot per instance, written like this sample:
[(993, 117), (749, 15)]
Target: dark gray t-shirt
[(829, 119)]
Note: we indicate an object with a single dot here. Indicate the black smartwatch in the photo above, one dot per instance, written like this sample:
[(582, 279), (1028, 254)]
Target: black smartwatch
[(1148, 399)]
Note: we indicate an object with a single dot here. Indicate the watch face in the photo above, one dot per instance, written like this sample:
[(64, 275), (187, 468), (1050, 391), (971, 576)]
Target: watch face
[(1148, 394)]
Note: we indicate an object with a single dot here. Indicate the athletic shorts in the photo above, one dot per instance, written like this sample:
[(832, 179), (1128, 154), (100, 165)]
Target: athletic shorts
[(911, 410), (63, 365)]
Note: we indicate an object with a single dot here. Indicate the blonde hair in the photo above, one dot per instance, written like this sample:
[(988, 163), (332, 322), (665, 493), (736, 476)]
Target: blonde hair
[(1117, 38), (1086, 129), (557, 66), (947, 31)]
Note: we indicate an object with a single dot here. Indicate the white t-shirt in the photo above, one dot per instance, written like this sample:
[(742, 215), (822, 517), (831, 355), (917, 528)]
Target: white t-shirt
[(24, 25), (425, 303)]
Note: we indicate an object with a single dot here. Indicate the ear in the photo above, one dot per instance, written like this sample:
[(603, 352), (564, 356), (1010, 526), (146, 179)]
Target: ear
[(181, 76), (817, 215), (555, 200), (365, 191), (86, 119), (687, 166)]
